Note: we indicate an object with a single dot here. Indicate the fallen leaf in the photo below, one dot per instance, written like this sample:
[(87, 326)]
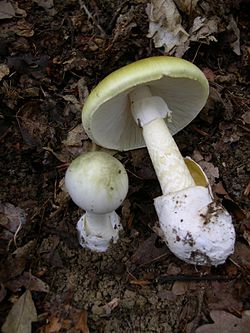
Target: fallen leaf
[(204, 29), (223, 296), (21, 315), (3, 292), (110, 306), (186, 6), (246, 117), (11, 217), (180, 288), (148, 252), (82, 324), (34, 124), (165, 25), (28, 281), (6, 10), (15, 263), (226, 323), (4, 70), (54, 325), (241, 256), (234, 35), (210, 170), (47, 5), (24, 28)]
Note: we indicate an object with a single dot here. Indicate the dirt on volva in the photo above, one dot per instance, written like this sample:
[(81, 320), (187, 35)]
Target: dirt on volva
[(52, 53)]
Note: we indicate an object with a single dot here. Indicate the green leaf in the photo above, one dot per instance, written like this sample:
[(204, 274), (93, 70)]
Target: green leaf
[(21, 315)]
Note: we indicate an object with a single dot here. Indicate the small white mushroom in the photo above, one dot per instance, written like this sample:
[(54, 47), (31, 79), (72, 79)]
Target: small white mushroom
[(144, 104), (97, 183)]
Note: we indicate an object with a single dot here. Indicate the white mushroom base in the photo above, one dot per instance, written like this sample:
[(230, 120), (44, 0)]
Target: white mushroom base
[(96, 232), (196, 229)]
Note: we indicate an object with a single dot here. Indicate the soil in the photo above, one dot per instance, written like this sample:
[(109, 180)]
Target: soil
[(138, 285)]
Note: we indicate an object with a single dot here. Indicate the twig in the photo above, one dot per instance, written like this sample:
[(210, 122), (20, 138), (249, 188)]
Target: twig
[(173, 278), (90, 16), (198, 311)]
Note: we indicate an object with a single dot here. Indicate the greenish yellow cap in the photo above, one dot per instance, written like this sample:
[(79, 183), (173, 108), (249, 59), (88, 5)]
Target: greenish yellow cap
[(106, 115)]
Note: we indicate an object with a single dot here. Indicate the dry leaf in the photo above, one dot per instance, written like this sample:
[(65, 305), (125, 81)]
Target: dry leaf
[(226, 323), (4, 69), (3, 292), (21, 315), (6, 10), (28, 281), (223, 296), (241, 256), (180, 288), (82, 322), (147, 251), (24, 28), (165, 25), (246, 117), (47, 5), (11, 217), (54, 325), (235, 32), (15, 263)]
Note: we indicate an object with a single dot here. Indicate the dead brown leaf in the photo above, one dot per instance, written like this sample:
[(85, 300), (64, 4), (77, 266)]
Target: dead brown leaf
[(223, 296), (54, 325), (11, 217), (180, 288), (6, 10), (3, 293), (82, 324), (21, 315), (148, 252), (241, 256), (67, 319), (226, 323), (4, 70), (15, 263), (28, 281), (33, 124), (246, 117)]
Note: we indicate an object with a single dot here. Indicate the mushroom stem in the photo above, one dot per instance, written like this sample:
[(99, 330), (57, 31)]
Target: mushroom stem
[(95, 231), (149, 111)]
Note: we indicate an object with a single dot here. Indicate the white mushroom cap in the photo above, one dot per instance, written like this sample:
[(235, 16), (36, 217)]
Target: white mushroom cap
[(97, 182), (107, 117), (197, 229)]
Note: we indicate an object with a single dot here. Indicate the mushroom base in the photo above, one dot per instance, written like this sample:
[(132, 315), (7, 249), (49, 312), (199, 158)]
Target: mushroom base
[(96, 234), (196, 229)]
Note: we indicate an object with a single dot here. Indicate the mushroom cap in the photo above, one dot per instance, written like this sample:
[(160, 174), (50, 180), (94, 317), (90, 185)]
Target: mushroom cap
[(97, 182), (106, 114)]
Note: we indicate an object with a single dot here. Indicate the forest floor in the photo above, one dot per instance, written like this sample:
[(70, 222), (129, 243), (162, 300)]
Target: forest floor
[(51, 56)]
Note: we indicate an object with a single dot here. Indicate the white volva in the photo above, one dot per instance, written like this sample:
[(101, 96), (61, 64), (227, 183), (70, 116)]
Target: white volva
[(196, 228), (98, 183)]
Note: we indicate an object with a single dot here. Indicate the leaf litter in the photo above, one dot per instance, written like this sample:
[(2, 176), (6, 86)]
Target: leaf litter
[(52, 55), (21, 315)]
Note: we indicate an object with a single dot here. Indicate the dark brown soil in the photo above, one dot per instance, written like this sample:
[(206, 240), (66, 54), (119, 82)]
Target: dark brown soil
[(138, 285)]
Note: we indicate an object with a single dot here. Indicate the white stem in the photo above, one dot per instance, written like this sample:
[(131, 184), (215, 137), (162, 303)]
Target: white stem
[(99, 225), (149, 111), (96, 231)]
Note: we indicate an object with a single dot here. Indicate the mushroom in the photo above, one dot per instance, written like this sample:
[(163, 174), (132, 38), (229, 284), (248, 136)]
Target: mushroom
[(196, 227), (144, 104), (98, 183)]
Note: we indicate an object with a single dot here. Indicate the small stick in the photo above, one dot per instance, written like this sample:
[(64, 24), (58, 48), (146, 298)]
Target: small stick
[(173, 278), (90, 16)]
